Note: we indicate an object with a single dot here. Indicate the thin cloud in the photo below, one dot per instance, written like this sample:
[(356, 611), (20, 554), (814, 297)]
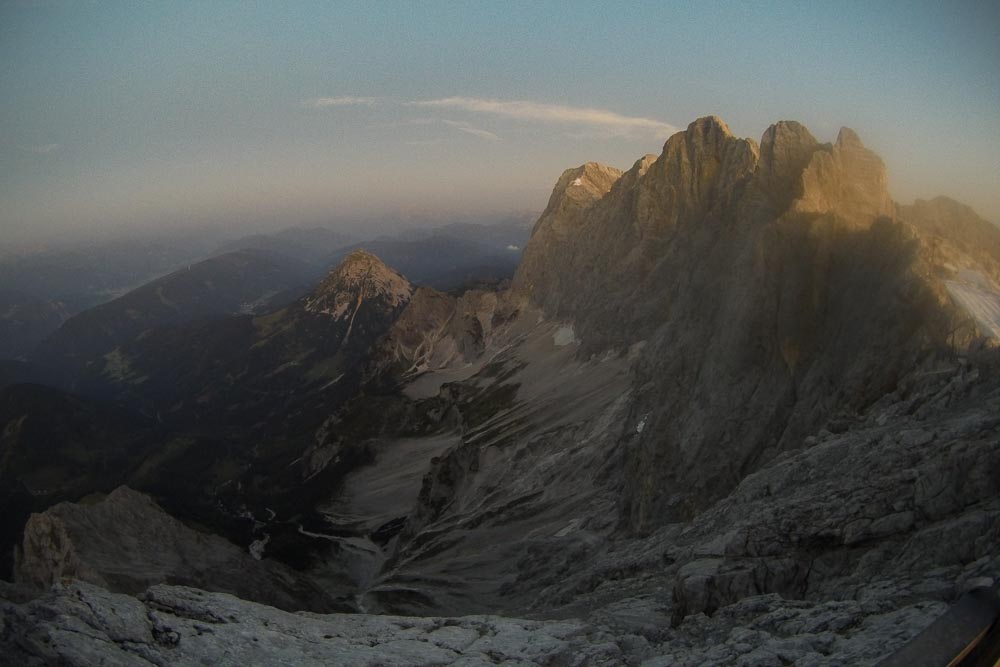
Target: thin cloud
[(461, 126), (344, 101), (474, 131), (553, 113), (43, 149)]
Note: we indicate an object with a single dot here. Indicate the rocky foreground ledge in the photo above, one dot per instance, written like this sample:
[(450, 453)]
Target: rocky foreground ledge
[(83, 624)]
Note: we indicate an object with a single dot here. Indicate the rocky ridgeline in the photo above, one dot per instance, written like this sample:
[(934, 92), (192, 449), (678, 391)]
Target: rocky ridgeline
[(771, 286), (737, 408)]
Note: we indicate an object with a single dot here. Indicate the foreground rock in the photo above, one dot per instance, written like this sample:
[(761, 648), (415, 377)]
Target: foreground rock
[(126, 543), (82, 624)]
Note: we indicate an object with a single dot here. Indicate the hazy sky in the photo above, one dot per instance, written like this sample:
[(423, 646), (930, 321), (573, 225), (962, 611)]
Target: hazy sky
[(140, 113)]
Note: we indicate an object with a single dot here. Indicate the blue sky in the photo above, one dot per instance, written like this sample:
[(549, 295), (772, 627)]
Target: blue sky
[(138, 114)]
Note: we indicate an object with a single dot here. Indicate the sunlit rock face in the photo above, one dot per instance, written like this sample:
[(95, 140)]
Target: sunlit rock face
[(681, 328), (771, 287), (360, 276)]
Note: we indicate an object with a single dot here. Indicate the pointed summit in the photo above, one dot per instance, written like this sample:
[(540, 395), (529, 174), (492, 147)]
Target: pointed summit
[(709, 126), (848, 180), (360, 277), (590, 180), (785, 151), (577, 190), (699, 169), (848, 138)]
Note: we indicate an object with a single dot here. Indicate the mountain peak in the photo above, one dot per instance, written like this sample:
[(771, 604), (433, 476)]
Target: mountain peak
[(593, 177), (359, 257), (848, 137), (360, 276), (707, 125), (848, 180), (577, 189), (786, 149)]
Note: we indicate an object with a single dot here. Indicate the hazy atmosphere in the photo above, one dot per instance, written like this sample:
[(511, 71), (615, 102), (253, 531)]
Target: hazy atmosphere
[(122, 115), (642, 334)]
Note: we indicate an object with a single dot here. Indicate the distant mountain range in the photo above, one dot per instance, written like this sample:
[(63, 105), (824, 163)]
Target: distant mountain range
[(43, 290), (733, 405)]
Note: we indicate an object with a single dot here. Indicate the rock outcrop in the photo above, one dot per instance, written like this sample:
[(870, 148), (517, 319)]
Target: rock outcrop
[(81, 624), (847, 180), (438, 331), (126, 543)]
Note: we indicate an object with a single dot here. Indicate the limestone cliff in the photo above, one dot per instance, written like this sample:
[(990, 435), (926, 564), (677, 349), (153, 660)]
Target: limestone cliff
[(772, 288)]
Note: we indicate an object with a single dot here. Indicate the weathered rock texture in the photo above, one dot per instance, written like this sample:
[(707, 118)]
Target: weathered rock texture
[(772, 288), (126, 543), (82, 624), (710, 321)]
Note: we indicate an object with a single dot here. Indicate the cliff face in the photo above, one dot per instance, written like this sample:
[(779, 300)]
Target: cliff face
[(772, 288), (673, 331)]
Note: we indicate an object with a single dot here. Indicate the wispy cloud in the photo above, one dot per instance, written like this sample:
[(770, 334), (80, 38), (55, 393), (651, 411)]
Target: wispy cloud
[(43, 149), (344, 101), (468, 129), (553, 113), (459, 125), (588, 121)]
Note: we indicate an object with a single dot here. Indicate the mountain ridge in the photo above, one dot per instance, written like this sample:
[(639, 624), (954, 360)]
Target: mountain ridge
[(731, 385)]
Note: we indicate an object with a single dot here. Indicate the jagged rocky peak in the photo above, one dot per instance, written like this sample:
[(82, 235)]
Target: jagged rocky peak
[(591, 179), (561, 225), (725, 260), (707, 130), (360, 277), (706, 141), (576, 191), (848, 138), (701, 169), (847, 180), (785, 151)]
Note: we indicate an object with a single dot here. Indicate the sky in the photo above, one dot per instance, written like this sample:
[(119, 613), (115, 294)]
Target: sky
[(130, 115)]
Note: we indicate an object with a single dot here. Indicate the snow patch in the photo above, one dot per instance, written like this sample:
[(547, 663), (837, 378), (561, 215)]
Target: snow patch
[(569, 528), (979, 298), (257, 547), (578, 181), (641, 425), (331, 382), (564, 336)]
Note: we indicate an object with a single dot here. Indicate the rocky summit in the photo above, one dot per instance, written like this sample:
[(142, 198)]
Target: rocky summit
[(736, 407)]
